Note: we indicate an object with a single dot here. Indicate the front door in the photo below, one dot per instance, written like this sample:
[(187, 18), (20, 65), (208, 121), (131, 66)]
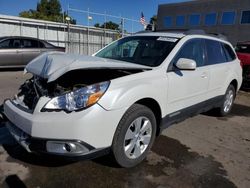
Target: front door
[(188, 87), (9, 52)]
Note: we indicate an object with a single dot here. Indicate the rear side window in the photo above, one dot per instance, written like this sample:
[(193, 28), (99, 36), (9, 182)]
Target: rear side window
[(30, 43), (193, 49), (229, 52), (215, 52), (40, 44)]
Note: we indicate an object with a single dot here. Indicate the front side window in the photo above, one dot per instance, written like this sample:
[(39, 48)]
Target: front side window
[(245, 19), (5, 44), (168, 21), (10, 43), (193, 49), (144, 50), (228, 18), (194, 19), (215, 52), (210, 19), (15, 43)]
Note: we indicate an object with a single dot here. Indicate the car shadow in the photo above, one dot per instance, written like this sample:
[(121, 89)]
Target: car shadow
[(169, 164), (13, 181), (17, 152), (2, 116), (237, 110)]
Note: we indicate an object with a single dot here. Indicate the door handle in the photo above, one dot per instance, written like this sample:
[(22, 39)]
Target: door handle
[(204, 75)]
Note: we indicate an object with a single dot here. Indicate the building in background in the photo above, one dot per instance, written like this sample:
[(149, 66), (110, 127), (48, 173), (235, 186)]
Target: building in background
[(228, 17)]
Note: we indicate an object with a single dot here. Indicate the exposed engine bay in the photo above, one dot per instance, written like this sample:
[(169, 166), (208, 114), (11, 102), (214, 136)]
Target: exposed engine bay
[(34, 88)]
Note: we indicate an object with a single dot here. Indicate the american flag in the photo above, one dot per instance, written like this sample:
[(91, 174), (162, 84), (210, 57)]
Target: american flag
[(142, 20)]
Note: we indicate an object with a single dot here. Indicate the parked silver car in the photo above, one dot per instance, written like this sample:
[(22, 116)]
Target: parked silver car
[(16, 51)]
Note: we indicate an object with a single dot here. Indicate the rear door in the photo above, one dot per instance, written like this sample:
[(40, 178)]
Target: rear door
[(188, 87), (30, 50), (9, 52), (218, 62)]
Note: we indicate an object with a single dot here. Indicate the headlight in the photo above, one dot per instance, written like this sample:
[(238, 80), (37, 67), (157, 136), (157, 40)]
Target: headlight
[(78, 99)]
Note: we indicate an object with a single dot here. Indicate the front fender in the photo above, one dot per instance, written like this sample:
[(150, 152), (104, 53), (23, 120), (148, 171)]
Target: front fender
[(125, 94)]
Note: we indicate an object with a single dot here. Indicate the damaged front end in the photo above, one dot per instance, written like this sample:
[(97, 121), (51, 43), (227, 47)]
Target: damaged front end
[(71, 82), (73, 91)]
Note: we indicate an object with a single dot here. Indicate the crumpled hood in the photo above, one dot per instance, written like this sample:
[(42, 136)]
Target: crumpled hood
[(52, 65)]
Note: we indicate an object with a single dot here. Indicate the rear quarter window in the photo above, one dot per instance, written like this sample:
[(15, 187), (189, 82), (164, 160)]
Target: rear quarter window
[(230, 54)]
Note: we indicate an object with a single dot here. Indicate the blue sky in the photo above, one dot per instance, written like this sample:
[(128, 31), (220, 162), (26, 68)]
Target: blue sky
[(125, 8)]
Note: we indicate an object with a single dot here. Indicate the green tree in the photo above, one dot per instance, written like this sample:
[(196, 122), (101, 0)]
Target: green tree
[(49, 10), (153, 20), (152, 23), (108, 25), (97, 25)]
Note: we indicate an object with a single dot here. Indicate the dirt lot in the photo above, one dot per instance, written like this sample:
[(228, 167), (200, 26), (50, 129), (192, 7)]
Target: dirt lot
[(203, 151)]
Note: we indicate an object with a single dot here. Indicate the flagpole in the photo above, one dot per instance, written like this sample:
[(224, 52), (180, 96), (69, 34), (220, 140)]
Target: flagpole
[(88, 34)]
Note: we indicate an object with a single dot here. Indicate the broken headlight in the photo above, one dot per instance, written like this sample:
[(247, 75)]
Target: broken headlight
[(78, 99)]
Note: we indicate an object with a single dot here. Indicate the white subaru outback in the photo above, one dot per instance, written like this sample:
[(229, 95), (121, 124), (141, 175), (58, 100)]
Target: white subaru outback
[(119, 99)]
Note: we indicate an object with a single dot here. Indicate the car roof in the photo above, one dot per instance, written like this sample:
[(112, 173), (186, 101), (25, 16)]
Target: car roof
[(181, 34), (20, 37), (160, 34)]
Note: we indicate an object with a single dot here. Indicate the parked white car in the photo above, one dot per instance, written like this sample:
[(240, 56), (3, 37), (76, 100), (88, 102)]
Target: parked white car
[(119, 99)]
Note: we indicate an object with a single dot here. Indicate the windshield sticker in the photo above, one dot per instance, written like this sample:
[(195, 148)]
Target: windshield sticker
[(167, 39)]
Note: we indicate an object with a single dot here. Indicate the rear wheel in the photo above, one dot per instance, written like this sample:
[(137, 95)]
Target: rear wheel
[(134, 136), (227, 104)]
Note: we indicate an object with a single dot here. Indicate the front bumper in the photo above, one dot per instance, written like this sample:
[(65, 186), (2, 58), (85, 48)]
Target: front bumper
[(36, 145), (92, 128)]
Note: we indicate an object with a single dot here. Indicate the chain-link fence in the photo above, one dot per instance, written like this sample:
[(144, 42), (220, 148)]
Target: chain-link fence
[(77, 39)]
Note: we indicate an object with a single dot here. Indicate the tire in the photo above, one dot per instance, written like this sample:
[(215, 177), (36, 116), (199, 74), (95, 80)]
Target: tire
[(228, 100), (246, 78), (134, 136)]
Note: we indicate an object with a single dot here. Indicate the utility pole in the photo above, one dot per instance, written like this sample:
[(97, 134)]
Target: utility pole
[(123, 27), (68, 20)]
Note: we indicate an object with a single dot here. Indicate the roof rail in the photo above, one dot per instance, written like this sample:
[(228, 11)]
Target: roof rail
[(219, 35), (195, 32), (144, 31), (190, 32)]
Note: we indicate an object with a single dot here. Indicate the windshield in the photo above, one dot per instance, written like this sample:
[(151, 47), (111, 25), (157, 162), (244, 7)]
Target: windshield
[(143, 50)]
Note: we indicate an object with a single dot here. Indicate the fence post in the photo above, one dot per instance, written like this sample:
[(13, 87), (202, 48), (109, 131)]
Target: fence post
[(37, 34), (79, 41), (21, 28), (68, 37)]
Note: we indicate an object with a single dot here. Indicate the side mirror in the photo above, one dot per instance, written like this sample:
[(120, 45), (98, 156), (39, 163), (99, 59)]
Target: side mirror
[(186, 64)]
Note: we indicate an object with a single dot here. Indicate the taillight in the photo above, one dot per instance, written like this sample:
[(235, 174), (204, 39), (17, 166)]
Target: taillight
[(241, 64)]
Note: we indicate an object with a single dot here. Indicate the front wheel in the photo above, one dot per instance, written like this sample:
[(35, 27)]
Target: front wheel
[(134, 136)]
